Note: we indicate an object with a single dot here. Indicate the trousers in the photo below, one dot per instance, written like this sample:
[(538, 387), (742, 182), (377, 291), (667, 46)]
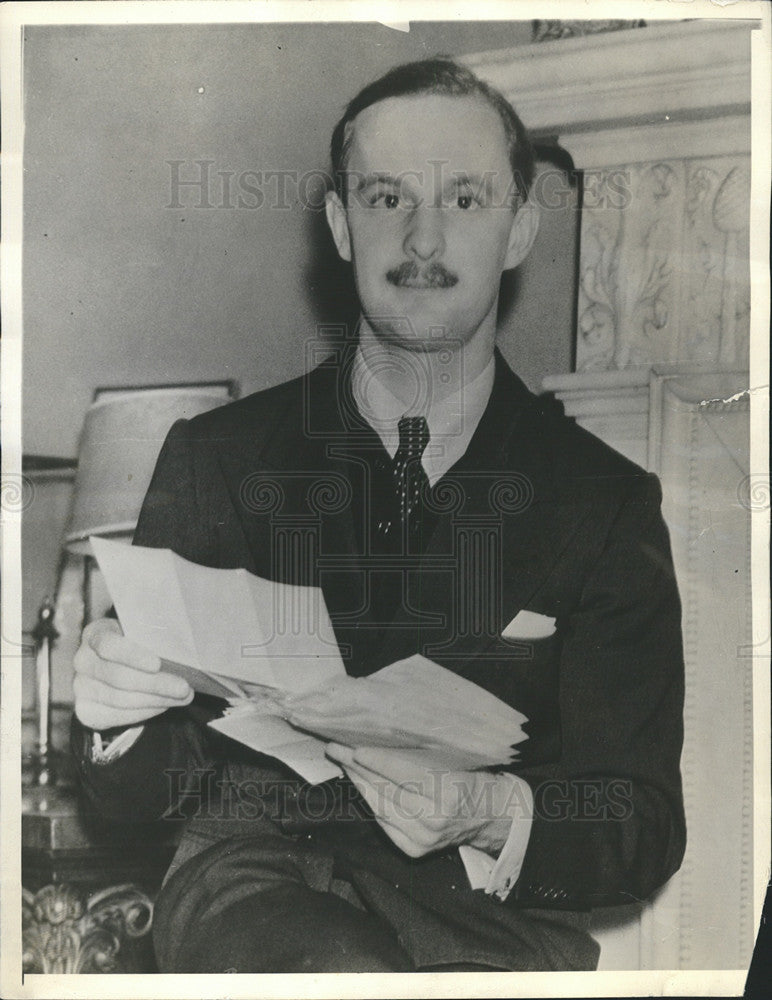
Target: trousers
[(246, 896)]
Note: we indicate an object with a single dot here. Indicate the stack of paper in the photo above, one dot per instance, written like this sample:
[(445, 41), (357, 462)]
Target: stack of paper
[(413, 704), (270, 649), (441, 720)]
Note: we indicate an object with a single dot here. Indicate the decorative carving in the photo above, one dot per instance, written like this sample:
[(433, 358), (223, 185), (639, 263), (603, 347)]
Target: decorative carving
[(731, 217), (63, 931), (626, 296), (716, 283), (548, 31), (664, 274)]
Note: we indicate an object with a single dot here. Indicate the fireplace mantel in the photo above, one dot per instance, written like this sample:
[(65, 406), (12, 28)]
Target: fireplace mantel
[(658, 120), (655, 85)]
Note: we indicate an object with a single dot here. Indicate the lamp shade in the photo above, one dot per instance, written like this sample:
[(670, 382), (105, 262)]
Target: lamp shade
[(122, 436)]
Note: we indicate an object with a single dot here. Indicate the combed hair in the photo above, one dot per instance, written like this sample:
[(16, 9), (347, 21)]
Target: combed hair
[(440, 75)]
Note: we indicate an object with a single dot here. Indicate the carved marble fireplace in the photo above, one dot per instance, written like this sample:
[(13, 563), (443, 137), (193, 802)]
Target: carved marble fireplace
[(658, 120)]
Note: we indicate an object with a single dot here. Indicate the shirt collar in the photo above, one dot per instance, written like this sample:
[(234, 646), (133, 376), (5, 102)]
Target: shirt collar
[(452, 420)]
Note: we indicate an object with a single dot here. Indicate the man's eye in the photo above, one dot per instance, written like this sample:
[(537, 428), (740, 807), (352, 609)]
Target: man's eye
[(466, 201), (385, 199)]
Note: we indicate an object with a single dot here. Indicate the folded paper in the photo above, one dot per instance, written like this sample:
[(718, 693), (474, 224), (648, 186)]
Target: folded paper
[(224, 622)]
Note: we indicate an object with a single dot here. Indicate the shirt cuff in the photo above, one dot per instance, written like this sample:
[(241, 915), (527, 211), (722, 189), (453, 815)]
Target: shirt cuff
[(104, 751), (497, 876)]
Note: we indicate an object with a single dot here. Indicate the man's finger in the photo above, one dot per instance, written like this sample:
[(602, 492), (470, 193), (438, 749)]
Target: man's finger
[(374, 797), (397, 835), (339, 753), (417, 784), (128, 679), (93, 689), (401, 804), (394, 766), (114, 646), (380, 762), (397, 822)]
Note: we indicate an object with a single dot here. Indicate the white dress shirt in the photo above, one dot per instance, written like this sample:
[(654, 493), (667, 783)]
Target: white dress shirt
[(452, 421)]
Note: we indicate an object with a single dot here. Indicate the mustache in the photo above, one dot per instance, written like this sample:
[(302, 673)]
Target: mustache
[(409, 275)]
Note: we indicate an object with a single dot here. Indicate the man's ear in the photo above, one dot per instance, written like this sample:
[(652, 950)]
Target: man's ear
[(338, 223), (525, 226)]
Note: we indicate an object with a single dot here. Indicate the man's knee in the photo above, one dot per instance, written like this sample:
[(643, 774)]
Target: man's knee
[(264, 905), (210, 884), (289, 928)]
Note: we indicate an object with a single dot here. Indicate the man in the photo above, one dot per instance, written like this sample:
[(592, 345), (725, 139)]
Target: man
[(443, 510)]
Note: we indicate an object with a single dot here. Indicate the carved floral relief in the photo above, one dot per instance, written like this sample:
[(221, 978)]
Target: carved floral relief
[(549, 31), (65, 932), (664, 273)]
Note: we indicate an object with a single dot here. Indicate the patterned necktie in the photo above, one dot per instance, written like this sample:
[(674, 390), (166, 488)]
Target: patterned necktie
[(409, 476)]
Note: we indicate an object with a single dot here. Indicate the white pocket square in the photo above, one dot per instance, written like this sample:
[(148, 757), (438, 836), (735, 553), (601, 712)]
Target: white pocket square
[(529, 625)]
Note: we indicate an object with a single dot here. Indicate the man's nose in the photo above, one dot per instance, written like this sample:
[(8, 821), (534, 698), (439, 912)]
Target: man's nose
[(425, 238)]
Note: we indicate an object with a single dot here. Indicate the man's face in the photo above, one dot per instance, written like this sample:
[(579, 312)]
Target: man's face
[(429, 223)]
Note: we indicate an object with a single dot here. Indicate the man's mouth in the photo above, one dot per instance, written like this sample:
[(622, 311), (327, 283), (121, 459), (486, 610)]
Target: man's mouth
[(410, 275)]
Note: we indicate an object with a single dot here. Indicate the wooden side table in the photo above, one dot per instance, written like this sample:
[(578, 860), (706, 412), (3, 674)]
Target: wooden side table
[(88, 886)]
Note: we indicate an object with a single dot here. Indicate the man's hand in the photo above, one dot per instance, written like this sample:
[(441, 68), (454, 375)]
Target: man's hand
[(423, 811), (119, 684)]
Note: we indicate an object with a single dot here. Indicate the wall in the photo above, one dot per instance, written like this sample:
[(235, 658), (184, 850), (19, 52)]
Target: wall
[(120, 288)]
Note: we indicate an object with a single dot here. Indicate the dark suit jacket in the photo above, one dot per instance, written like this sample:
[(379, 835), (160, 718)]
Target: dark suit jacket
[(538, 514)]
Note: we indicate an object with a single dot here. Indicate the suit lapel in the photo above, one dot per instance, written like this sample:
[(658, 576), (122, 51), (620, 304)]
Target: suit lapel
[(490, 553), (296, 494)]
